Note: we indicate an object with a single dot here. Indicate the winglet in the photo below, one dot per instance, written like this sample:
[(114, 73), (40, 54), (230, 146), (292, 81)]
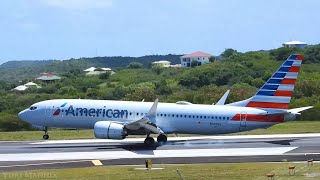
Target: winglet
[(153, 110), (223, 99)]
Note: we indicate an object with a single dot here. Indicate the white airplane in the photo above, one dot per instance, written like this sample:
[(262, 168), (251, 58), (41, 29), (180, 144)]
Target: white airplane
[(118, 119)]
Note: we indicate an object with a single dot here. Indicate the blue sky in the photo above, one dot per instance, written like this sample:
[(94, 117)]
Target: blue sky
[(63, 29)]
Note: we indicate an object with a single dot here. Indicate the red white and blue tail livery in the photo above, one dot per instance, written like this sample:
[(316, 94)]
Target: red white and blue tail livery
[(276, 93), (118, 119)]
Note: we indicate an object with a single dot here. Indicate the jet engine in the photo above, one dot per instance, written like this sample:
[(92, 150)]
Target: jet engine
[(109, 130)]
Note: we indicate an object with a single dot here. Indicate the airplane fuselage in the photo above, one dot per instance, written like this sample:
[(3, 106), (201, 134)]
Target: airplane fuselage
[(171, 117)]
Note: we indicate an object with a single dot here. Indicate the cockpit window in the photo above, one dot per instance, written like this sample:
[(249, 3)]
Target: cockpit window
[(33, 108)]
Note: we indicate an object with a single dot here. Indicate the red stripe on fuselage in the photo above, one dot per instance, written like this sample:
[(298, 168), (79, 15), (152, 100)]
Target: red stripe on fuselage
[(259, 118), (268, 105), (288, 81), (294, 69), (283, 93)]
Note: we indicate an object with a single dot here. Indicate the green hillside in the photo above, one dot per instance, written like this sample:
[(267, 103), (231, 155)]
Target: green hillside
[(14, 71), (243, 73)]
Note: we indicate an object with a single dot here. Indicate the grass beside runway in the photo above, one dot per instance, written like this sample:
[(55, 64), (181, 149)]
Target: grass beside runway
[(227, 171), (293, 127)]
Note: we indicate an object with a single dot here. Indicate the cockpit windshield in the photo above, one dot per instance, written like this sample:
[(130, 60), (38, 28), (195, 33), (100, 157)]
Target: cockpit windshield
[(33, 108)]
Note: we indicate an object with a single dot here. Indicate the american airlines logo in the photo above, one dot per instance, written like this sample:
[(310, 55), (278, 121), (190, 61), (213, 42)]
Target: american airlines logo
[(57, 112), (95, 112)]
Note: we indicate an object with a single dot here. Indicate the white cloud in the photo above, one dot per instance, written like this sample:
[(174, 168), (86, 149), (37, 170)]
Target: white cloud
[(79, 4)]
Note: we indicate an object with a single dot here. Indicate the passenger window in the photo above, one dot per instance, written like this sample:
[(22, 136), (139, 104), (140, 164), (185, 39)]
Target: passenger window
[(161, 115), (185, 116), (205, 117), (189, 116), (197, 116), (137, 114), (130, 113), (200, 117), (181, 116), (223, 118), (177, 115), (193, 116), (220, 118)]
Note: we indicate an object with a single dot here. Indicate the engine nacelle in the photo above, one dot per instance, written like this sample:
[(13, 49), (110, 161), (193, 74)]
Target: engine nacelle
[(109, 130)]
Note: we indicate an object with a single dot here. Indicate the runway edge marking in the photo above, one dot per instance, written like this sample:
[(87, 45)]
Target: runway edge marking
[(97, 162), (145, 154)]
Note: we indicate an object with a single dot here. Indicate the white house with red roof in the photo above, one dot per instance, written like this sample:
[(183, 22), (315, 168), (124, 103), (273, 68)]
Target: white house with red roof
[(48, 77), (200, 57)]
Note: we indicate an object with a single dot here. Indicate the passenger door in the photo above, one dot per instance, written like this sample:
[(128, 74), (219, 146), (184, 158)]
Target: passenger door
[(243, 121)]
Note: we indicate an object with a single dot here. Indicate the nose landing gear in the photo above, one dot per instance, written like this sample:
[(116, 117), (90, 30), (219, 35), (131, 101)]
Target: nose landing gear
[(46, 135)]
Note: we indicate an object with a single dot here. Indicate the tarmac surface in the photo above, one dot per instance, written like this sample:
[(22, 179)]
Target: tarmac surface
[(57, 154)]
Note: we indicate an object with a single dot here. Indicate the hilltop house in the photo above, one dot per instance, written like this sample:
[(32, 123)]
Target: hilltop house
[(200, 57), (298, 44), (92, 71), (162, 63), (26, 86), (48, 77), (20, 88), (32, 85)]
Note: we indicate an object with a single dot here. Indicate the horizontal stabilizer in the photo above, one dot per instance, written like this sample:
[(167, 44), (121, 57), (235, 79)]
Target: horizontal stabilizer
[(223, 99), (298, 110)]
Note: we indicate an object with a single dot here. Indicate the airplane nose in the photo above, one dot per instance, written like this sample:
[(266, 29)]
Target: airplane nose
[(23, 115)]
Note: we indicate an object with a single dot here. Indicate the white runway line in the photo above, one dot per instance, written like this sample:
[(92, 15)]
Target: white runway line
[(102, 155), (234, 137)]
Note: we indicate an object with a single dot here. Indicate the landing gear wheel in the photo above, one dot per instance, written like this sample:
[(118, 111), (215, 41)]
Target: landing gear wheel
[(149, 141), (46, 137), (162, 138)]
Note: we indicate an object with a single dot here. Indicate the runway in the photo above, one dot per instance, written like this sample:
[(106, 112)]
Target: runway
[(15, 156)]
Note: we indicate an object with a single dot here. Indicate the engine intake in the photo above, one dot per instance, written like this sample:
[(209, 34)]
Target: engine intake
[(109, 130)]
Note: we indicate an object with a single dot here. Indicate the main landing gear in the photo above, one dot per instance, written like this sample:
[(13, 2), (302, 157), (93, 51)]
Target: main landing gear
[(149, 141), (46, 135)]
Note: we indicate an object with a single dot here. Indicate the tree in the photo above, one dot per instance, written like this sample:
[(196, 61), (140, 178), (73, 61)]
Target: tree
[(212, 59), (194, 63), (312, 54), (135, 65), (229, 52), (283, 53), (105, 75)]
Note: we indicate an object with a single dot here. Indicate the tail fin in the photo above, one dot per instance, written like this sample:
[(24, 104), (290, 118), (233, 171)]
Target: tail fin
[(276, 93)]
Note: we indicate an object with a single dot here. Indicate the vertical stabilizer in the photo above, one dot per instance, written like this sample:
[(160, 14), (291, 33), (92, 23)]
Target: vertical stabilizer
[(276, 93)]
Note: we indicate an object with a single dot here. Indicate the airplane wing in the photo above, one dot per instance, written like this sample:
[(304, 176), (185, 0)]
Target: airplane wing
[(147, 122)]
